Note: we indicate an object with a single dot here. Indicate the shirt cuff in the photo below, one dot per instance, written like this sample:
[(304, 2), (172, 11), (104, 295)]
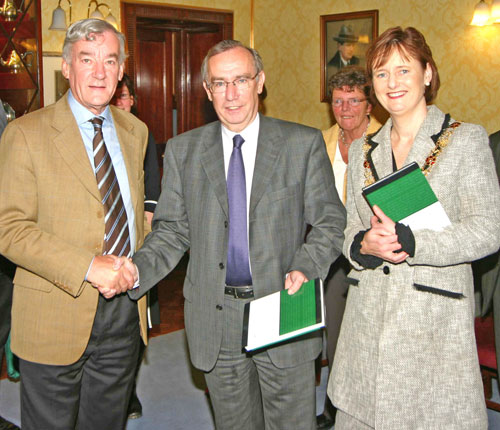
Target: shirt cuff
[(406, 239)]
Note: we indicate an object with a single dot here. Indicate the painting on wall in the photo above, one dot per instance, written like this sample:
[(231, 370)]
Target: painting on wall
[(55, 84), (345, 38)]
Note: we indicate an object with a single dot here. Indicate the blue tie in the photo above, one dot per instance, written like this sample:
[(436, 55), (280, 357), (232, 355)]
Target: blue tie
[(238, 267)]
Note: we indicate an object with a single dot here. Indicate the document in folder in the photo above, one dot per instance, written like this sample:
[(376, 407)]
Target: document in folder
[(281, 316), (405, 196)]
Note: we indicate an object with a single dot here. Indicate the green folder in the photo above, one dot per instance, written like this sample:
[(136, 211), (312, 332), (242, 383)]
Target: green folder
[(280, 316), (300, 310), (406, 196), (402, 193)]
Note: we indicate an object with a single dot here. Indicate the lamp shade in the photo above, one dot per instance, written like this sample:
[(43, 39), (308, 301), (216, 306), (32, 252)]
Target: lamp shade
[(481, 14), (97, 14), (58, 19), (112, 20), (495, 11)]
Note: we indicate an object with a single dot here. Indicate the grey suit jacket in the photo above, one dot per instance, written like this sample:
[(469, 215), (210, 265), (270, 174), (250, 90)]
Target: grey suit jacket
[(406, 356), (487, 270), (293, 186)]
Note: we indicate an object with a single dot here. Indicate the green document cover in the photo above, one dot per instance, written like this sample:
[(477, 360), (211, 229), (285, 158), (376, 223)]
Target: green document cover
[(402, 193), (279, 316), (298, 310)]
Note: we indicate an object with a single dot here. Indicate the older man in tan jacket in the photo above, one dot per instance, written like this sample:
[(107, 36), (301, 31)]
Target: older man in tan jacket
[(78, 345)]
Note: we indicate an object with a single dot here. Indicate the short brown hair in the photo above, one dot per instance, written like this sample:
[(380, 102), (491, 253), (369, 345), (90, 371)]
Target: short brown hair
[(351, 77), (410, 43)]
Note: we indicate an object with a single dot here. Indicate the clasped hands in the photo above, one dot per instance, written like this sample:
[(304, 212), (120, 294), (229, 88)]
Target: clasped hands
[(381, 240), (112, 275)]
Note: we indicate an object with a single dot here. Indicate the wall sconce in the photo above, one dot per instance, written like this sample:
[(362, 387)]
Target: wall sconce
[(98, 14), (484, 15), (59, 17)]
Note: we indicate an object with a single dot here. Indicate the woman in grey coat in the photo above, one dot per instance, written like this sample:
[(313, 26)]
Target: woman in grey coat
[(406, 356)]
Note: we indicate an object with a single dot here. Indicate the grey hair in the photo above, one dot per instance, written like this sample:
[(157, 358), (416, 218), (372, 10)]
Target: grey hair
[(224, 46), (84, 30), (351, 77)]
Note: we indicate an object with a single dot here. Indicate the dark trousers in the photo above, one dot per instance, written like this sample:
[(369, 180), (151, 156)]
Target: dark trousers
[(92, 393), (336, 287), (7, 270)]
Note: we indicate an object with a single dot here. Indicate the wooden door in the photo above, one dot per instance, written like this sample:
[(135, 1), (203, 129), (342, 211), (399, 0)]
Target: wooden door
[(196, 110), (154, 81), (166, 47)]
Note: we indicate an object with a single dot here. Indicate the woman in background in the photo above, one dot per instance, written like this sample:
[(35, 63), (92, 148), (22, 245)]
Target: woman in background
[(352, 102), (406, 356)]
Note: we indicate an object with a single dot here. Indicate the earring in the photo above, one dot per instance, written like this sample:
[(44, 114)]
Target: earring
[(427, 84)]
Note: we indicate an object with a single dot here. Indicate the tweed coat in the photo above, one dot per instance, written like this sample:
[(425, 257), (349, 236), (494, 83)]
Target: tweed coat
[(52, 225), (292, 186), (406, 356)]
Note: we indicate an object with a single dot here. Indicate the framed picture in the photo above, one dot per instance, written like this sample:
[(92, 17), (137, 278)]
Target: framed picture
[(345, 37), (54, 83)]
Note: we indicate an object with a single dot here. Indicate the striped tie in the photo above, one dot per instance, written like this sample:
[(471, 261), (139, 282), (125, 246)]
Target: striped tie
[(116, 237)]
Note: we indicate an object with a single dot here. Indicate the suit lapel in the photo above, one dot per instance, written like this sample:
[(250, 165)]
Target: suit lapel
[(269, 146), (71, 147), (382, 154), (130, 146), (423, 144), (212, 160)]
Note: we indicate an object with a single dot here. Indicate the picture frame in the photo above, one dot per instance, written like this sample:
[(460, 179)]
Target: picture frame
[(345, 38), (54, 83)]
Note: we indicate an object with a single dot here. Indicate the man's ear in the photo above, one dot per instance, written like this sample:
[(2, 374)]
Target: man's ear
[(260, 82), (209, 93), (120, 72), (65, 69)]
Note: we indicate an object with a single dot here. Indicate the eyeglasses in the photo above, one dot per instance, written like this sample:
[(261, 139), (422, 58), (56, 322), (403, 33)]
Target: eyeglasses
[(352, 102), (243, 83)]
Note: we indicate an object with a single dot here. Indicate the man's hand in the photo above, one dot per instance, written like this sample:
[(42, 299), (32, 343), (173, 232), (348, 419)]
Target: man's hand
[(111, 275), (381, 240), (149, 217), (294, 281)]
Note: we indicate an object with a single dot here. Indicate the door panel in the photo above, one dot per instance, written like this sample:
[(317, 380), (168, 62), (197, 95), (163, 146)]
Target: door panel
[(198, 109), (154, 86)]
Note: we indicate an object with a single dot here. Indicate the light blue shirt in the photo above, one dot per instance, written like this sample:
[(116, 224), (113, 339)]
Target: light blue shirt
[(83, 116)]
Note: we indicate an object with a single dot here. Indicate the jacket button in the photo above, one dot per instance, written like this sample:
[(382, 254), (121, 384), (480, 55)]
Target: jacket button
[(221, 266), (218, 307), (225, 224), (386, 270)]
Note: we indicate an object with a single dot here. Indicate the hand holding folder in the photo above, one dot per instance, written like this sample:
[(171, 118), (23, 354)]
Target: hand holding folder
[(281, 316)]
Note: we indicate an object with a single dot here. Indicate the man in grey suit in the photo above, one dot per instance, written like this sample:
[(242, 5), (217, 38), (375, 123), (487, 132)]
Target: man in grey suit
[(244, 248)]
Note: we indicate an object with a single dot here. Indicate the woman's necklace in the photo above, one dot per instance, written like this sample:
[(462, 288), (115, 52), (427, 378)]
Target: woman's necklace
[(342, 135)]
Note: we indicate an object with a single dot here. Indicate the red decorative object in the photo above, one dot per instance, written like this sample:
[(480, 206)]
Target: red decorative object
[(485, 340)]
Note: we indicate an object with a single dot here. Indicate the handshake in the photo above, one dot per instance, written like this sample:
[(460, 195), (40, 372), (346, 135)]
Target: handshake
[(112, 275)]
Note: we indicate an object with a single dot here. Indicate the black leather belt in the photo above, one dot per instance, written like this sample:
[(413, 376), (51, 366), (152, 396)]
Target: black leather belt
[(239, 292)]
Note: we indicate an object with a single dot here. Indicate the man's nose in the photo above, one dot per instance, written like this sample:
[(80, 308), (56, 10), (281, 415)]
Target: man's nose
[(99, 70), (231, 91)]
